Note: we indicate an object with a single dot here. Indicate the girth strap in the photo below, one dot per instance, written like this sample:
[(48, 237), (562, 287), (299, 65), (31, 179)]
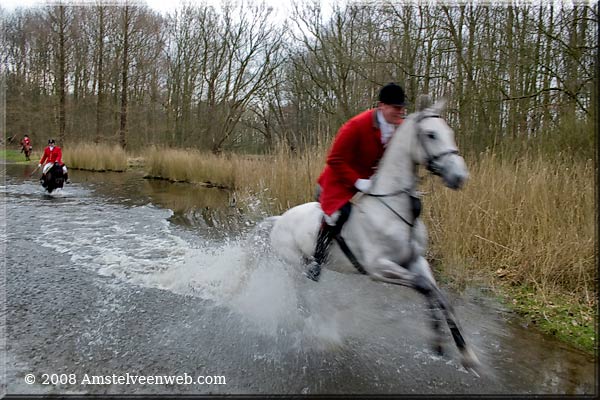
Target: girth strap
[(346, 250)]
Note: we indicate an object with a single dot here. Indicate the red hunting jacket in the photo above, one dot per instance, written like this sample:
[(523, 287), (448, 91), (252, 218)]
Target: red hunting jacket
[(354, 154), (52, 156)]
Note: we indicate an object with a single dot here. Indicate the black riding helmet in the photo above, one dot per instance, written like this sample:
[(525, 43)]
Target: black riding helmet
[(51, 141), (392, 94)]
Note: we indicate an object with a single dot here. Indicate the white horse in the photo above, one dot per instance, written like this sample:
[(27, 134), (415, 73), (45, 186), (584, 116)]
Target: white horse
[(386, 239)]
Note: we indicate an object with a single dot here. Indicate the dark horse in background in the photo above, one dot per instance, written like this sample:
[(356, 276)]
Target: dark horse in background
[(26, 149), (53, 179)]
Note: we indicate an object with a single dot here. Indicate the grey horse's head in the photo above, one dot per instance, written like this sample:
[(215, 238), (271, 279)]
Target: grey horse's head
[(437, 148)]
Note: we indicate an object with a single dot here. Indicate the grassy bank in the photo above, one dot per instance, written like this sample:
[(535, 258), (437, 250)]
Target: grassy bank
[(16, 156), (81, 156), (525, 227)]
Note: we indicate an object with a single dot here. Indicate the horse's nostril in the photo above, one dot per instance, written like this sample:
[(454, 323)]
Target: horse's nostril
[(462, 180), (455, 181)]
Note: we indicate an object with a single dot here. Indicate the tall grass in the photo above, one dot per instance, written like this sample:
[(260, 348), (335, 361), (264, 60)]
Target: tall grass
[(281, 179), (528, 221), (285, 178), (192, 166), (95, 157)]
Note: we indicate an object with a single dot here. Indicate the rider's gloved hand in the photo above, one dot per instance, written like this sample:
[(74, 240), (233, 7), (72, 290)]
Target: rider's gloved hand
[(364, 185), (39, 165)]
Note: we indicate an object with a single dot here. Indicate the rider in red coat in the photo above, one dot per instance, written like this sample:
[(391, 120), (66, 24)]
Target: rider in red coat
[(53, 154), (26, 146), (352, 159)]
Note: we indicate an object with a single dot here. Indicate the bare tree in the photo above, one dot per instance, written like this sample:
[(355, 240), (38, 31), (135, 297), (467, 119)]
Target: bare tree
[(59, 18)]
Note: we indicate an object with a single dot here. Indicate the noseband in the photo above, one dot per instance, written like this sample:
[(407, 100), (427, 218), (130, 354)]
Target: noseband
[(431, 159)]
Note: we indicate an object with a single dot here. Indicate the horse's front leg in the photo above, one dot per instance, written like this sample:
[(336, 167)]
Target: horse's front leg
[(420, 278), (468, 358), (421, 267)]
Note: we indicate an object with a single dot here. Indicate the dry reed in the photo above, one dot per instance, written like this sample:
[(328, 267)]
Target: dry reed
[(95, 157), (191, 166), (282, 179), (526, 222)]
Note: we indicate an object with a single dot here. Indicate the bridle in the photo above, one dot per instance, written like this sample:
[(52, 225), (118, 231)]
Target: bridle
[(431, 159), (430, 164)]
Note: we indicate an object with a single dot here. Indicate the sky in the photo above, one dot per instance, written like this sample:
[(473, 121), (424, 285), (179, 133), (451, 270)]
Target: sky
[(280, 6)]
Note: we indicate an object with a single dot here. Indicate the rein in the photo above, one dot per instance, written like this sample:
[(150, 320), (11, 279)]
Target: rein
[(379, 197)]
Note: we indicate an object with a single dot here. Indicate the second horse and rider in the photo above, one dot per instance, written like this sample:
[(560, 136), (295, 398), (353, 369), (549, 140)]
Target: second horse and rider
[(52, 155), (26, 147)]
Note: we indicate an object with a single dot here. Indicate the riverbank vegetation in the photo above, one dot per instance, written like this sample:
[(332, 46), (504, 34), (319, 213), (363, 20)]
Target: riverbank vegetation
[(252, 103), (96, 158), (13, 155)]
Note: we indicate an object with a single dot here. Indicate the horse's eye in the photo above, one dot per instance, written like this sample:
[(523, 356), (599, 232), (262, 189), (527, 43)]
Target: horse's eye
[(431, 135)]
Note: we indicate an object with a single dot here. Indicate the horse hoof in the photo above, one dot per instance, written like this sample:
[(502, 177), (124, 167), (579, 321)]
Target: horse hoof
[(469, 359), (438, 349), (313, 273)]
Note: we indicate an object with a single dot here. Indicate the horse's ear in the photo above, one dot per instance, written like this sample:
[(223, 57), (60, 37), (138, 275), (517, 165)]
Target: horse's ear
[(423, 101), (439, 106)]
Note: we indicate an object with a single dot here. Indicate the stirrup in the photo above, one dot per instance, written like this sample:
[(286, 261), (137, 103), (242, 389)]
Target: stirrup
[(313, 272)]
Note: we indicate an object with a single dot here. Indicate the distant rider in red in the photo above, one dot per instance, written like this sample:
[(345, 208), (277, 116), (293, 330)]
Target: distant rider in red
[(26, 147), (53, 154)]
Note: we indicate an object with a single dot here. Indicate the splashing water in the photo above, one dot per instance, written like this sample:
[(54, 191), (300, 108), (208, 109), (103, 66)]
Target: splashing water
[(245, 276)]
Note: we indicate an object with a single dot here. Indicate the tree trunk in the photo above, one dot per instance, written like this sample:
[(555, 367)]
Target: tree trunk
[(62, 76), (124, 77), (100, 72)]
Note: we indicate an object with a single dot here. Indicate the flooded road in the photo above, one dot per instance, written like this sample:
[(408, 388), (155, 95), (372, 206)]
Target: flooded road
[(117, 277)]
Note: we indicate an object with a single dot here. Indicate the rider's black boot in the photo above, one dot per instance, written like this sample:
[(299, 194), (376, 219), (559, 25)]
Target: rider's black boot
[(324, 237)]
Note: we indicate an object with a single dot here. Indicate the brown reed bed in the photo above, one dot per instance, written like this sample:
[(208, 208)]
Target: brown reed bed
[(281, 180), (528, 221), (191, 166), (93, 157)]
